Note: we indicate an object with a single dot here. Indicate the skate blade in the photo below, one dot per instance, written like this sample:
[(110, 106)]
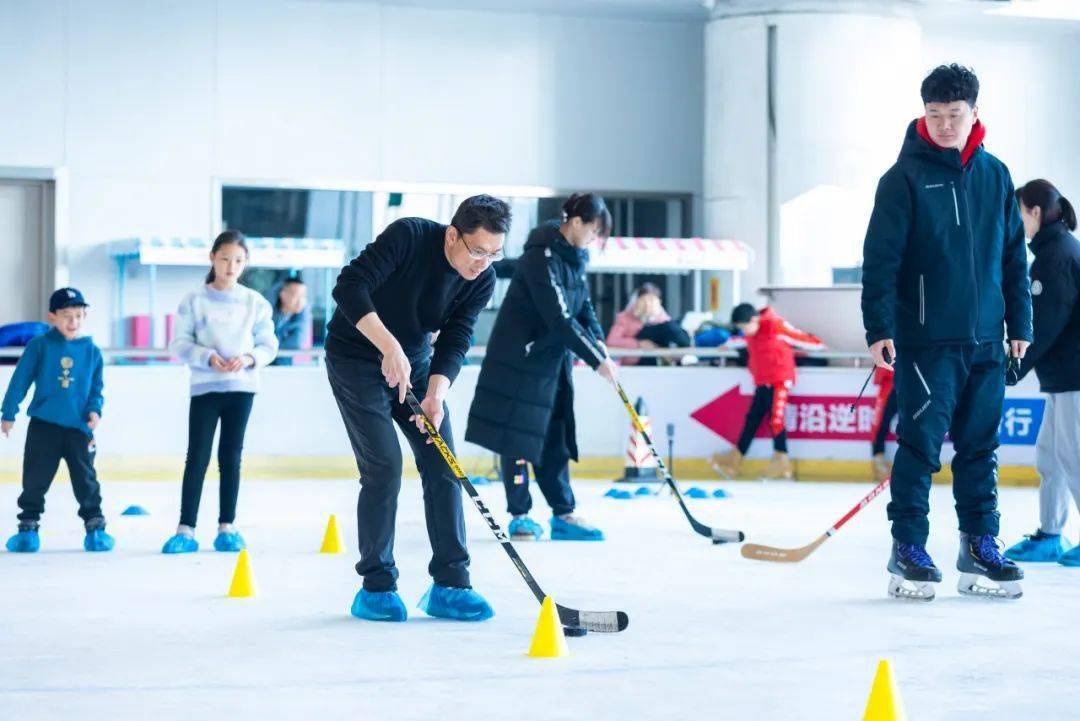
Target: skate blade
[(971, 584), (905, 590), (527, 539), (724, 473)]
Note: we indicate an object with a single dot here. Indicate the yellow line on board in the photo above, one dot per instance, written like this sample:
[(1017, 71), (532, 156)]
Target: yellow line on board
[(604, 468)]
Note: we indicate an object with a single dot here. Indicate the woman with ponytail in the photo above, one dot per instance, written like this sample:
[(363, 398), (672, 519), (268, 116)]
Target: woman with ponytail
[(523, 408), (1055, 355)]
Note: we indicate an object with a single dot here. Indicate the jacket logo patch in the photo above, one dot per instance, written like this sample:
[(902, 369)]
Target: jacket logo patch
[(1036, 287), (934, 186)]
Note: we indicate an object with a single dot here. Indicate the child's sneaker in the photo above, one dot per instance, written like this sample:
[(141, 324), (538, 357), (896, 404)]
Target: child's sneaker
[(573, 528), (26, 540), (183, 542), (379, 606), (523, 528), (97, 540), (228, 540), (458, 604)]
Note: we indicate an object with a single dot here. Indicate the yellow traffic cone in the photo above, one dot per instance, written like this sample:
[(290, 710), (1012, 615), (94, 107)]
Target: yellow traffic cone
[(331, 542), (243, 583), (548, 640), (884, 703)]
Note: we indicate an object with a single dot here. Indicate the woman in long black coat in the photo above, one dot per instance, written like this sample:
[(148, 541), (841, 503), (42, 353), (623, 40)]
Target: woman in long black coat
[(524, 403)]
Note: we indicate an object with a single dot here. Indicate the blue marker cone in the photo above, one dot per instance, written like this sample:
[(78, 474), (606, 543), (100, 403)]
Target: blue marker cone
[(135, 511)]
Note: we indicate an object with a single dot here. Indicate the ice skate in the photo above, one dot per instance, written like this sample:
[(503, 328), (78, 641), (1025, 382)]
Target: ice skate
[(727, 465), (913, 573), (779, 468), (984, 571)]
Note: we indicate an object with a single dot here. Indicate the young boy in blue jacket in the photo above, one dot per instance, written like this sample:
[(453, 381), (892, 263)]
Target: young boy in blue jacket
[(944, 274), (65, 369)]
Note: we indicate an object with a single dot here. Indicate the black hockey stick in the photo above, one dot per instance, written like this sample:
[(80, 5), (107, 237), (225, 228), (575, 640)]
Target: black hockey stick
[(718, 535), (600, 621)]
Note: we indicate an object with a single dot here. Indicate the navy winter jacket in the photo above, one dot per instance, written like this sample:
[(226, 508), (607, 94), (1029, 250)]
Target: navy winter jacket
[(944, 261)]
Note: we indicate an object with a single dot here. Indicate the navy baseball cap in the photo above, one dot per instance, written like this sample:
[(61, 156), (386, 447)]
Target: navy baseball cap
[(66, 298)]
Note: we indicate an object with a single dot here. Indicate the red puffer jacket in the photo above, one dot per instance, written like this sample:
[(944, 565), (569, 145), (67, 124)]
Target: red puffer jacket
[(772, 358)]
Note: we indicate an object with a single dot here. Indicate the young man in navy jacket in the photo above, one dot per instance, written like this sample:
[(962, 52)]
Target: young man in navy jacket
[(944, 273)]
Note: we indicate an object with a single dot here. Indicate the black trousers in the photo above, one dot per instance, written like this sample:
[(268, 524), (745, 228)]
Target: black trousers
[(370, 411), (957, 390), (232, 409), (46, 444), (878, 444), (760, 410)]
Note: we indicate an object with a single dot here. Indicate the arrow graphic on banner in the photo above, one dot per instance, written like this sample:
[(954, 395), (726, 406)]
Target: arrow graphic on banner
[(806, 418), (830, 418)]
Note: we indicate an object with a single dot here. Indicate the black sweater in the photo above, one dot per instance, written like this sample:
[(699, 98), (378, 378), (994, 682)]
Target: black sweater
[(405, 278)]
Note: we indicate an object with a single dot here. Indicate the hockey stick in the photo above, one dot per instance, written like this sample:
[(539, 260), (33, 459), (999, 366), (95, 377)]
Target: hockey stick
[(600, 621), (718, 535), (758, 552)]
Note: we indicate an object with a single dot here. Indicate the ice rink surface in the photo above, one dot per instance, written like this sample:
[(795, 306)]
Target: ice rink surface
[(137, 635)]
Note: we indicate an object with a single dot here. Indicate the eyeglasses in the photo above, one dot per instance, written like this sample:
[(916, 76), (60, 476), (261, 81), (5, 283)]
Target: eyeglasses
[(477, 254)]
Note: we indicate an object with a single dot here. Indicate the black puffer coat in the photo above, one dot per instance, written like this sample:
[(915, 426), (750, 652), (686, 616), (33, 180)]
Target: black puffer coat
[(546, 314)]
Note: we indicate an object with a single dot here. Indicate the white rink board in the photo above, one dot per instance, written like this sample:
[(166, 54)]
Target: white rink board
[(146, 412)]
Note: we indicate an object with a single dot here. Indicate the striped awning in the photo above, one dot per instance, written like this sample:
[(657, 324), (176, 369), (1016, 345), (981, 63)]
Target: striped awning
[(669, 255)]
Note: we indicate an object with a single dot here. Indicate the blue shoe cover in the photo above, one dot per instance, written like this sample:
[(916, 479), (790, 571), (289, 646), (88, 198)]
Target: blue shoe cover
[(458, 604), (524, 528), (229, 542), (1070, 557), (1038, 548), (695, 492), (24, 542), (720, 493), (180, 543), (135, 511), (571, 528), (97, 541), (379, 606)]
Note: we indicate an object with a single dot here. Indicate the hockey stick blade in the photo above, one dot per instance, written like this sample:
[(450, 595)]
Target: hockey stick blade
[(758, 552), (598, 621), (718, 535)]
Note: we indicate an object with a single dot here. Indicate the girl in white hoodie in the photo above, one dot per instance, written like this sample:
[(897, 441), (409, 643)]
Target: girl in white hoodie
[(225, 333)]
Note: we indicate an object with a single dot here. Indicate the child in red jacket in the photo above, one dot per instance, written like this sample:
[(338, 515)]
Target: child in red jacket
[(769, 340)]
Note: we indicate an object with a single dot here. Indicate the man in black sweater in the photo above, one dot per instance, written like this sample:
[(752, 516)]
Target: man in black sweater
[(417, 278)]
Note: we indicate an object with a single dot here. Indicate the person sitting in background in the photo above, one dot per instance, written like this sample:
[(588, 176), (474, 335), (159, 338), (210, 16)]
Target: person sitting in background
[(644, 324), (770, 340), (291, 316), (1055, 355)]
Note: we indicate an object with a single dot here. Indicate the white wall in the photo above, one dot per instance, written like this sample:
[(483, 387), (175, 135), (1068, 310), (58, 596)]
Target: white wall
[(847, 86), (148, 101)]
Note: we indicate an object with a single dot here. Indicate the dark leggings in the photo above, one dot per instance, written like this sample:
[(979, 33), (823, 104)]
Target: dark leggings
[(760, 409), (233, 409)]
